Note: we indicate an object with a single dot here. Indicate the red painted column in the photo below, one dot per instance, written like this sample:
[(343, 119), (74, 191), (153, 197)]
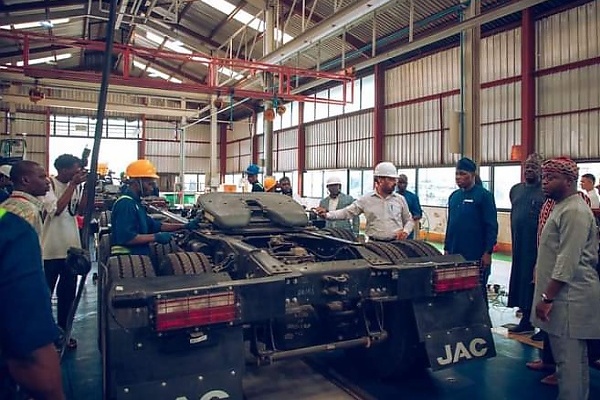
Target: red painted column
[(222, 151), (527, 83), (301, 149), (379, 114)]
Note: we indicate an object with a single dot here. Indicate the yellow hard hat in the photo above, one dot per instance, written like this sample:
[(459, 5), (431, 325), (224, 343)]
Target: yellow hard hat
[(141, 169), (269, 183)]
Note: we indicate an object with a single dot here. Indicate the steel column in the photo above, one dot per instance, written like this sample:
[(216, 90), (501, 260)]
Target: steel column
[(379, 114), (222, 151), (268, 125), (471, 116), (301, 154), (214, 179), (527, 83), (182, 135)]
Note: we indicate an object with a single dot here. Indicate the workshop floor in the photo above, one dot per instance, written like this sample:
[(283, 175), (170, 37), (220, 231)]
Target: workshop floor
[(503, 377)]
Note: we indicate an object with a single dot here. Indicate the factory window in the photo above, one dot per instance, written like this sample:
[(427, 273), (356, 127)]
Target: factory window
[(355, 97), (322, 110), (505, 177), (113, 128), (367, 92), (194, 182), (435, 185), (294, 111), (260, 123), (313, 184), (336, 93), (590, 168), (309, 112)]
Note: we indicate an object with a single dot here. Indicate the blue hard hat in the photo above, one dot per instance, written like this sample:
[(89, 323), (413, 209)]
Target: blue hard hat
[(252, 169)]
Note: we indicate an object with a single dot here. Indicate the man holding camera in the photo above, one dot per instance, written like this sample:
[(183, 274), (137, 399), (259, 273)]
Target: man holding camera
[(61, 231)]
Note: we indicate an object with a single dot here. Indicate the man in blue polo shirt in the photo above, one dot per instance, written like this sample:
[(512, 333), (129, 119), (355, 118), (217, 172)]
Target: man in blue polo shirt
[(414, 205), (27, 328), (132, 229)]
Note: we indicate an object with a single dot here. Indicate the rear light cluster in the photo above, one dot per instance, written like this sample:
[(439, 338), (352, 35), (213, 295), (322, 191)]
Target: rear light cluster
[(192, 311), (456, 278)]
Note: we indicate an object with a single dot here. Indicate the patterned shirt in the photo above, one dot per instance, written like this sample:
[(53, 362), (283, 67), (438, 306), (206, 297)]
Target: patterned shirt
[(27, 207), (546, 210)]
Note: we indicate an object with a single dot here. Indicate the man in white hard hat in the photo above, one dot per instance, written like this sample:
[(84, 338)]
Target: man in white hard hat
[(5, 182), (337, 201), (387, 214)]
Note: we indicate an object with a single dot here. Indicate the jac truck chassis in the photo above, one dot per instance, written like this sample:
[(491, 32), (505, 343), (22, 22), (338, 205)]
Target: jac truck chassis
[(256, 281)]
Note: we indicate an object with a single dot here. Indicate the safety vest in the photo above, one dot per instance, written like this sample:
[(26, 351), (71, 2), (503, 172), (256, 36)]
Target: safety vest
[(120, 250), (2, 212)]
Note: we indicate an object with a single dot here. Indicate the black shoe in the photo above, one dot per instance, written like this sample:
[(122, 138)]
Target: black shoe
[(521, 329), (538, 337)]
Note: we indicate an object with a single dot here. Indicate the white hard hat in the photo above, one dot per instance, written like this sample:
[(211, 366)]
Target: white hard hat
[(5, 170), (333, 180), (386, 169)]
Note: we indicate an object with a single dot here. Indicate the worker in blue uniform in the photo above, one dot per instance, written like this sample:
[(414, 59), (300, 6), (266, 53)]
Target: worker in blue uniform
[(472, 227), (252, 175), (132, 229), (27, 328), (414, 205)]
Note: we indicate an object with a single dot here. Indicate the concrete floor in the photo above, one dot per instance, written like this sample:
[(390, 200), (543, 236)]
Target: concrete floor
[(503, 377)]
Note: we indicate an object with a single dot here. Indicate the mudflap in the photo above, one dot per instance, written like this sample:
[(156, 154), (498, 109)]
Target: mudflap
[(455, 328)]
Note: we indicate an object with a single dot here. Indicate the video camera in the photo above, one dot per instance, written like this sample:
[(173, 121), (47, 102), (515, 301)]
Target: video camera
[(85, 158)]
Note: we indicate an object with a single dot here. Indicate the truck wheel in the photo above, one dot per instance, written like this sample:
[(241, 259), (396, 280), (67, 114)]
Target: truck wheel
[(104, 248), (129, 266), (387, 250), (401, 354), (340, 233), (158, 252), (185, 263), (428, 249), (409, 248)]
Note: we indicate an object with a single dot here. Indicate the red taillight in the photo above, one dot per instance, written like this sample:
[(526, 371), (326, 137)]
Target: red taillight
[(455, 278), (191, 311)]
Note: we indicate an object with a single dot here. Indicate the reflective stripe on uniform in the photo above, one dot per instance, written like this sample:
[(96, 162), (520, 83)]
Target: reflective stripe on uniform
[(2, 212), (119, 250)]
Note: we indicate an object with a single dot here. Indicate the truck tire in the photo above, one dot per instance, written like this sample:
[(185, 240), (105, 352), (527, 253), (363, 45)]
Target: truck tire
[(340, 233), (387, 250), (129, 266), (104, 248), (410, 249), (428, 249), (401, 354), (158, 252), (185, 263)]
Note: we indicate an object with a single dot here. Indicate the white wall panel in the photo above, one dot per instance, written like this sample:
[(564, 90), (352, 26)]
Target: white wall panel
[(501, 55), (355, 127), (34, 127), (321, 157), (356, 154), (424, 77), (399, 149), (160, 130), (497, 141), (287, 139), (572, 90), (321, 133), (569, 36), (572, 135)]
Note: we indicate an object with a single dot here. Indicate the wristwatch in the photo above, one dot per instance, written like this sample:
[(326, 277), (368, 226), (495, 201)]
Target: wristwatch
[(545, 299)]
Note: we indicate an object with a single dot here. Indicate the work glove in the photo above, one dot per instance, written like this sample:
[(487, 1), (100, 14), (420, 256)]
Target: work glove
[(193, 224), (163, 237)]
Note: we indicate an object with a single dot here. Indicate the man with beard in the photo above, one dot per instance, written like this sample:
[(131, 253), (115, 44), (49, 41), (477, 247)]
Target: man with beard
[(387, 214), (567, 290), (472, 227), (132, 229), (526, 199), (337, 201)]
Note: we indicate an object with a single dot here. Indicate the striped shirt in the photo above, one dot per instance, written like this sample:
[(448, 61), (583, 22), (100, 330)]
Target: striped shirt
[(385, 216), (27, 207)]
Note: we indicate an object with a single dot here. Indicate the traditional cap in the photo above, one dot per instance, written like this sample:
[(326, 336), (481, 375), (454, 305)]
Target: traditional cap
[(466, 164), (534, 159), (561, 165)]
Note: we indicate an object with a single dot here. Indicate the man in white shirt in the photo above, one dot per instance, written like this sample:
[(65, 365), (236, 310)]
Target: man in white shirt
[(60, 232), (588, 181), (387, 214)]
